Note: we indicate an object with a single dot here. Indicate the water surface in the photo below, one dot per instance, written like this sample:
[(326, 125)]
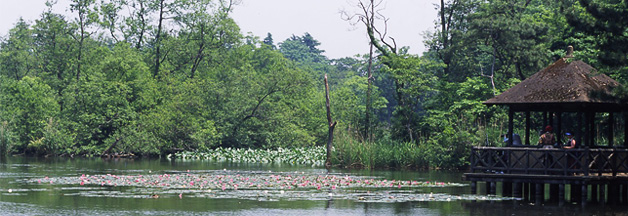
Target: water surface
[(65, 186)]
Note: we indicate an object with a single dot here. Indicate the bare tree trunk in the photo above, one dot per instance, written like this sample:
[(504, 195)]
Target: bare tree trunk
[(369, 97), (330, 135), (158, 39)]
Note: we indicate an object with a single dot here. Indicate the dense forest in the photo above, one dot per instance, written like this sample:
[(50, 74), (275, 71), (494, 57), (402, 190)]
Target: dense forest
[(153, 77)]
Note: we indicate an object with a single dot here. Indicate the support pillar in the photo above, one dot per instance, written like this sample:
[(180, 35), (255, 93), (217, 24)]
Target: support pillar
[(474, 187), (613, 193), (625, 129), (538, 195), (526, 191), (506, 189), (583, 197), (594, 193), (611, 122), (527, 141), (561, 194), (493, 188), (559, 126), (602, 198), (576, 192), (511, 125), (625, 193), (532, 191), (517, 188), (554, 192)]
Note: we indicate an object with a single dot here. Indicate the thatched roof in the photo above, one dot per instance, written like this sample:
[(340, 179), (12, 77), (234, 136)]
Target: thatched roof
[(562, 86)]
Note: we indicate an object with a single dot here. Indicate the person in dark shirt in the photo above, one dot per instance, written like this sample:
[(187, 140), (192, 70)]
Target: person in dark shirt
[(547, 139), (571, 142)]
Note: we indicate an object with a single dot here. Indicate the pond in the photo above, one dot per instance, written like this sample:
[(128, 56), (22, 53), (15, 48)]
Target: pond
[(64, 186)]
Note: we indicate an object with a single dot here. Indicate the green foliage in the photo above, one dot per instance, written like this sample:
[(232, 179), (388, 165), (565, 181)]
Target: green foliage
[(605, 21), (155, 77), (16, 61), (302, 49), (55, 140), (28, 105), (6, 138)]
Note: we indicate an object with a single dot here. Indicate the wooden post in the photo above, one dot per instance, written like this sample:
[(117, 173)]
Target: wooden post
[(539, 193), (527, 142), (506, 189), (493, 188), (559, 126), (330, 135), (611, 122), (533, 193), (517, 189), (592, 129), (575, 192), (511, 124), (625, 129), (624, 191), (578, 131), (561, 194), (526, 191), (602, 198), (594, 193), (554, 190), (474, 187), (583, 194), (587, 132), (613, 193)]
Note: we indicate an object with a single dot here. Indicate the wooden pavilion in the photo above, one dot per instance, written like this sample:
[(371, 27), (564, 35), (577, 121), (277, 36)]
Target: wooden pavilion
[(566, 86)]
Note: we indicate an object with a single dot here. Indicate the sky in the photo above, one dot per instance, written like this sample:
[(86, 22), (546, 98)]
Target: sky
[(407, 24)]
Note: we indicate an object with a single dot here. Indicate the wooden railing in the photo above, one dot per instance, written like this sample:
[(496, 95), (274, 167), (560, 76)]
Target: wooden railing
[(537, 161)]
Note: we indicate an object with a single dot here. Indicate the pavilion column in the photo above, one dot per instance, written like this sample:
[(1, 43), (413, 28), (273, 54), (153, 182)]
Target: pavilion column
[(587, 132), (511, 125), (592, 129), (611, 122), (578, 131), (527, 142), (550, 117), (559, 127), (625, 129)]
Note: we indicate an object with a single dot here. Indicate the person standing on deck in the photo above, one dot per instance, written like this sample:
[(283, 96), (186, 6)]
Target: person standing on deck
[(547, 139), (571, 142)]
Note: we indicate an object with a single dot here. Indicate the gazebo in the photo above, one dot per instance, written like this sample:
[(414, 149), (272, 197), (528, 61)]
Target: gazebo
[(566, 86)]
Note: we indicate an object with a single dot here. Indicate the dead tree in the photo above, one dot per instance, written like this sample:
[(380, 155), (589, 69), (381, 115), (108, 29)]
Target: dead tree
[(330, 135)]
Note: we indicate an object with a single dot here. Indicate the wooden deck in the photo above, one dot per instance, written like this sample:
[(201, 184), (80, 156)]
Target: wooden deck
[(524, 172)]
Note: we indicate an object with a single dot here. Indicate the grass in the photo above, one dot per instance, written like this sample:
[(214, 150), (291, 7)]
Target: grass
[(353, 153)]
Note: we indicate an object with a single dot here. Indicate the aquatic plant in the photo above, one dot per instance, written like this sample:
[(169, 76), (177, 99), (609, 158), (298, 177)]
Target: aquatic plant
[(314, 156), (255, 185)]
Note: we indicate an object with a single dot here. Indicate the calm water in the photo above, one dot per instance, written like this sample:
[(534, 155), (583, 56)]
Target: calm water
[(38, 186)]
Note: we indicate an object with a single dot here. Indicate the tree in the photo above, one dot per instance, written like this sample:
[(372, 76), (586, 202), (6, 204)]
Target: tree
[(447, 41), (268, 40), (85, 17), (28, 104), (606, 21), (302, 49), (398, 65), (16, 58), (53, 49), (203, 37)]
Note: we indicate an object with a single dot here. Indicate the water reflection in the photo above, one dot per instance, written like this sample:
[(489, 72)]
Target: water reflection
[(24, 189)]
